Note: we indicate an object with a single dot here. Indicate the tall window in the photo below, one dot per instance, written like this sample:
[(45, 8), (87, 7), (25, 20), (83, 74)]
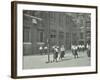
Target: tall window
[(26, 34), (61, 38), (40, 35), (53, 34), (61, 35), (81, 35), (53, 37), (74, 38), (68, 40)]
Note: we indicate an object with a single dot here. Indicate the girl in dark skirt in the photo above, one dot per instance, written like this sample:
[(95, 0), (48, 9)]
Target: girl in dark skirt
[(75, 54), (62, 52), (55, 55), (74, 51), (88, 50)]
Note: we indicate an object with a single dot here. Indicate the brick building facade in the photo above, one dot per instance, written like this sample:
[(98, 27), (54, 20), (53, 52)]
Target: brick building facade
[(41, 28)]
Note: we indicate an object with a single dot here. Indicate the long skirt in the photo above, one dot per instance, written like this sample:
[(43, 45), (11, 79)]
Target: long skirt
[(55, 55), (62, 54), (88, 53), (76, 52)]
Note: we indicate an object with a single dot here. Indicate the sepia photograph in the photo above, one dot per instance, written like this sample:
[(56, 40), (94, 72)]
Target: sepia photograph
[(53, 39), (56, 39)]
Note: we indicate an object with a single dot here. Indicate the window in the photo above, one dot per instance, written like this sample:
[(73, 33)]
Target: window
[(53, 34), (40, 35), (68, 40), (26, 34), (81, 36), (74, 38), (61, 35), (53, 37)]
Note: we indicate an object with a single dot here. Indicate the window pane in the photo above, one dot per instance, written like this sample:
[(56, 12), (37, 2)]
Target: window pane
[(40, 36), (81, 35), (26, 35)]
